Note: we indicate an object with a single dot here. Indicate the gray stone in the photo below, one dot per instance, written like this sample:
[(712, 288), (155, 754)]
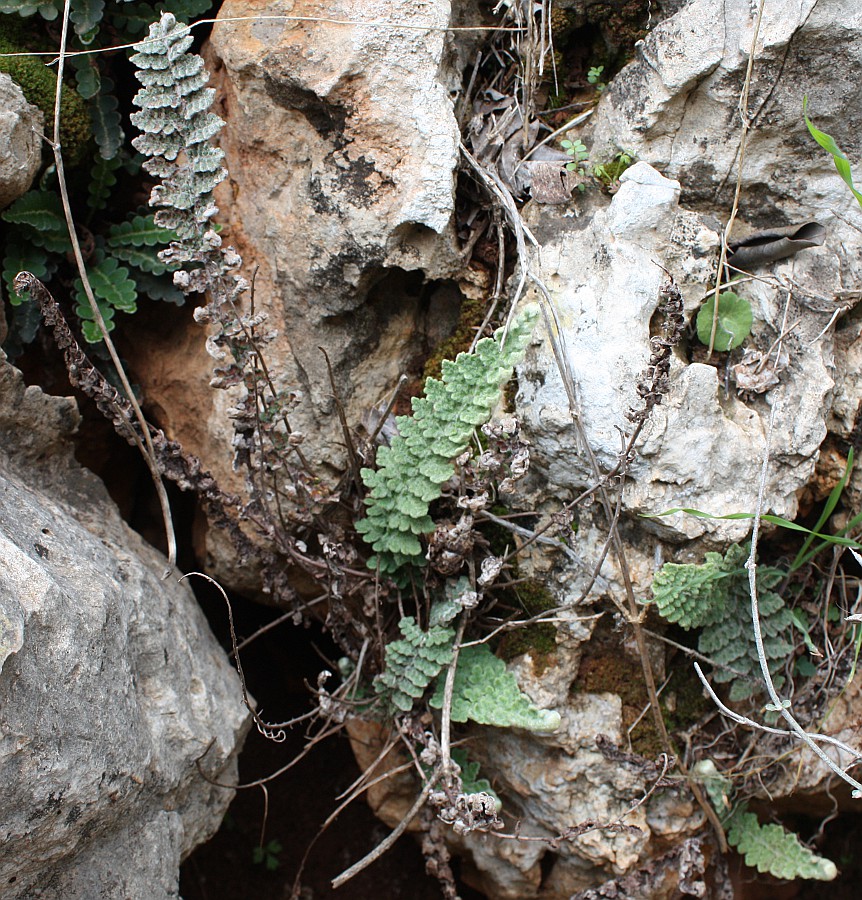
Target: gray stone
[(111, 687), (20, 140)]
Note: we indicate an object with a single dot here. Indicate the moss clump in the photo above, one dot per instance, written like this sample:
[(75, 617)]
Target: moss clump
[(610, 670), (471, 318), (39, 84), (539, 640), (688, 702)]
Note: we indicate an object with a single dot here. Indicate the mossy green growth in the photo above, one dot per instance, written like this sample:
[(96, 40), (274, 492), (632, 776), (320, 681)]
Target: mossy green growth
[(539, 639), (471, 317), (39, 85)]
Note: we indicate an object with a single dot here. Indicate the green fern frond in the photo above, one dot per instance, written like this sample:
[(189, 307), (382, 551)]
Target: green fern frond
[(113, 290), (155, 287), (106, 121), (86, 15), (88, 77), (714, 596), (139, 231), (768, 848), (103, 180), (37, 209), (175, 119), (48, 9), (40, 216), (413, 662), (487, 693), (419, 460), (773, 849)]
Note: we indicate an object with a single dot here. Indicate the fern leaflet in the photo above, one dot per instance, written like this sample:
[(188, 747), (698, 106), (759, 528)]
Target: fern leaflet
[(767, 848), (714, 596), (487, 693)]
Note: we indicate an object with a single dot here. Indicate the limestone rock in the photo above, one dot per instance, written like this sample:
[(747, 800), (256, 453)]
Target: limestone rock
[(20, 130), (111, 684), (702, 446), (676, 104), (342, 146)]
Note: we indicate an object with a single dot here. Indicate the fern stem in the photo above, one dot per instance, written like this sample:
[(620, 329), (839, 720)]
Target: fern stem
[(446, 713)]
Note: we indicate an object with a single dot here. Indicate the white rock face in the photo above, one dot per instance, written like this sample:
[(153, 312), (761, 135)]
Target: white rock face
[(21, 154), (703, 446), (111, 684), (674, 107)]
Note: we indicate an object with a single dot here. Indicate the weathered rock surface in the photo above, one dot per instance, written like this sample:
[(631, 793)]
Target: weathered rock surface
[(703, 445), (342, 146), (675, 107), (20, 130), (111, 684)]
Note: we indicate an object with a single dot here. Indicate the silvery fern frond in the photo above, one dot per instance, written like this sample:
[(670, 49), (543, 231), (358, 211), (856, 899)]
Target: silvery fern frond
[(177, 127)]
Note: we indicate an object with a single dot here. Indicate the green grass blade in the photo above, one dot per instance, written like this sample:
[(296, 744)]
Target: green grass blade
[(826, 141), (829, 507)]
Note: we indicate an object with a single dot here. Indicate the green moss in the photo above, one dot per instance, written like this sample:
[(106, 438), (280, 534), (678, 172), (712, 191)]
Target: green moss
[(39, 84), (608, 669), (689, 703), (471, 318), (539, 640), (609, 173)]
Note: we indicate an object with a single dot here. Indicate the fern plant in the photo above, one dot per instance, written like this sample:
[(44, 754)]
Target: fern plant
[(175, 119), (411, 471), (487, 693), (413, 662), (714, 596), (120, 256), (484, 692), (768, 848)]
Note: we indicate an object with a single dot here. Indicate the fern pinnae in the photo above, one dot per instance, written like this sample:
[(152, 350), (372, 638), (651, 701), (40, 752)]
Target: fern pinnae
[(768, 848), (411, 471), (175, 119)]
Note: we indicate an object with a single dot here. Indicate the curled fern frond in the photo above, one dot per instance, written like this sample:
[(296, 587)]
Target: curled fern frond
[(412, 470)]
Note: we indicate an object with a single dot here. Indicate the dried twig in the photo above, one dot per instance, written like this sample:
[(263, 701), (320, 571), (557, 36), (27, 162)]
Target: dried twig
[(746, 124), (149, 455), (393, 836)]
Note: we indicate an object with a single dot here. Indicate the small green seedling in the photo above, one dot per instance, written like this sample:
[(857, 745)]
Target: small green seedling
[(579, 153), (734, 321), (267, 855), (594, 77), (609, 173)]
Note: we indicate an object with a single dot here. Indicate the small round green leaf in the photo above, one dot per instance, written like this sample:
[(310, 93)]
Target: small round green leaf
[(734, 321)]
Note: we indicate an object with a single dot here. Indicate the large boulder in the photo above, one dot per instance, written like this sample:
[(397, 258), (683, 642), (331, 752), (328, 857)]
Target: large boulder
[(112, 687), (341, 145)]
